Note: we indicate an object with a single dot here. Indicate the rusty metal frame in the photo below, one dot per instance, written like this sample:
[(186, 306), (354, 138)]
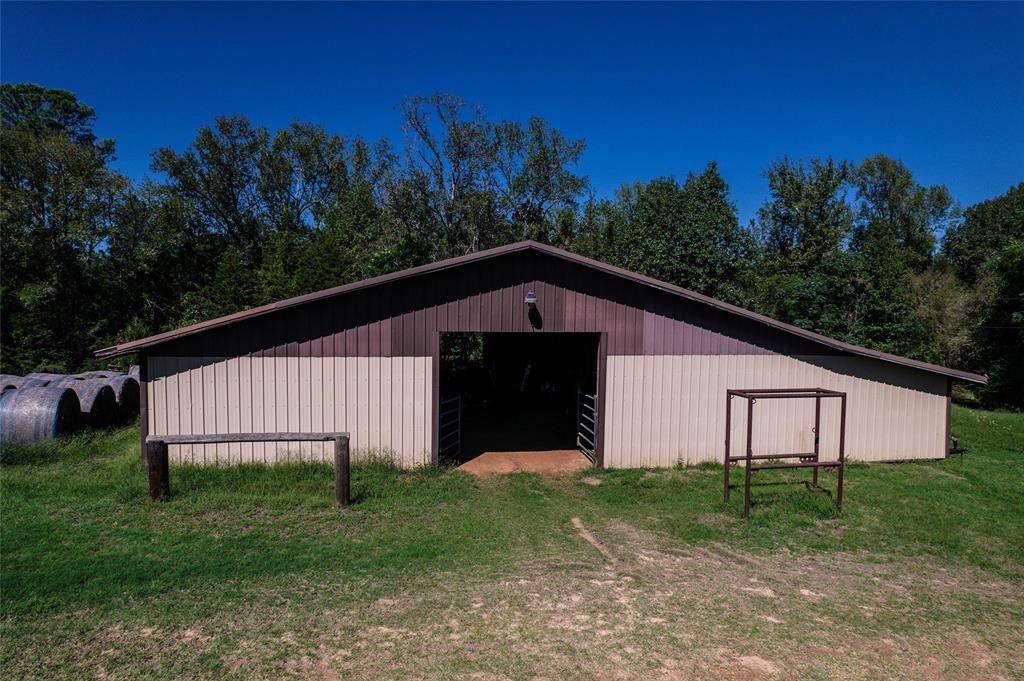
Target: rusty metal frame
[(805, 459)]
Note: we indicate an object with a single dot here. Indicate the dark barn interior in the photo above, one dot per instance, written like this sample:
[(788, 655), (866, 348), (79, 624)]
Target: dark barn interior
[(519, 391)]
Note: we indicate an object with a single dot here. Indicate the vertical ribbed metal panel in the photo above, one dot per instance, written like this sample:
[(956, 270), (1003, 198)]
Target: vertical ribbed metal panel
[(401, 318), (900, 417), (385, 404)]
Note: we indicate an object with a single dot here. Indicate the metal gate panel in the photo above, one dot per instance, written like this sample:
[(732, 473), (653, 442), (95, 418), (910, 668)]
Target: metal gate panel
[(586, 424), (449, 430)]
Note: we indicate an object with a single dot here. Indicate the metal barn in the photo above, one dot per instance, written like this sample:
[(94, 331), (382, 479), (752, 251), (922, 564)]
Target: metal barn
[(557, 347)]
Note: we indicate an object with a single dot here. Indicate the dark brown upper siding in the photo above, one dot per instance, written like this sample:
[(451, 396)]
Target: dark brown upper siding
[(402, 317), (400, 313)]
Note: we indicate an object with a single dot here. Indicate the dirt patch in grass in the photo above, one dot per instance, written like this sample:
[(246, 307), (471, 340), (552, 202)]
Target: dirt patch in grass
[(555, 462), (655, 611), (589, 537)]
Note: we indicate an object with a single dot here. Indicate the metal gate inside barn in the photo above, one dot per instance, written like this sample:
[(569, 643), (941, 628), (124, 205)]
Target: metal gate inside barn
[(517, 392)]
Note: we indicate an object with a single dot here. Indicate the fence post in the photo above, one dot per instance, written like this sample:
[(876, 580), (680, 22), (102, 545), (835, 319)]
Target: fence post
[(341, 472), (159, 471)]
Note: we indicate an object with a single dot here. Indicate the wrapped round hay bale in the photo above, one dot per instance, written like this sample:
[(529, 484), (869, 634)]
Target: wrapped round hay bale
[(37, 414), (126, 393), (10, 381), (97, 400), (43, 376), (30, 382), (99, 374), (134, 371)]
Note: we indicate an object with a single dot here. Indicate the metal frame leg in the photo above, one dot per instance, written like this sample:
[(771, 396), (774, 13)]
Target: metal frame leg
[(842, 452), (817, 429), (750, 460), (725, 461)]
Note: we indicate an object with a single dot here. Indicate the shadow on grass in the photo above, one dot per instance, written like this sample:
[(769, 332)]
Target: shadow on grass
[(88, 444)]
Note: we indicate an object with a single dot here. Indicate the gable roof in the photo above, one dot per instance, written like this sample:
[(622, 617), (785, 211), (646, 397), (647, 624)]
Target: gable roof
[(155, 340)]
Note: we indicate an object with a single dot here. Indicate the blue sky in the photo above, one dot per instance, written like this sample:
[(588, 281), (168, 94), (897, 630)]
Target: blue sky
[(655, 89)]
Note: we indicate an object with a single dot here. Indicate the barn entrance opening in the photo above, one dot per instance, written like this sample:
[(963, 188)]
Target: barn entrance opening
[(512, 401)]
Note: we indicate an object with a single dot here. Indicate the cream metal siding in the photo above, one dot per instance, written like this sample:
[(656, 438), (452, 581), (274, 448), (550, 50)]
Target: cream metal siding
[(664, 409), (384, 403)]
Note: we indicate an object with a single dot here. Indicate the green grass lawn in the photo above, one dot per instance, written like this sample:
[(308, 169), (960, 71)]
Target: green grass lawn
[(249, 572)]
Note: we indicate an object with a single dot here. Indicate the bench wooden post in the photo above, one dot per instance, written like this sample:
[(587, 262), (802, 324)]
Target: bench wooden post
[(341, 472), (159, 471)]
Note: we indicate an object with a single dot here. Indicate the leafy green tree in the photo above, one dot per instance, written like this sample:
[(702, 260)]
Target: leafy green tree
[(468, 183), (234, 287), (41, 112), (826, 301), (985, 250), (245, 183), (987, 228), (715, 250), (58, 199), (894, 237), (155, 252), (895, 210), (529, 169), (805, 276), (944, 306), (1000, 335), (806, 216), (219, 176), (650, 239), (886, 318), (440, 195), (687, 235)]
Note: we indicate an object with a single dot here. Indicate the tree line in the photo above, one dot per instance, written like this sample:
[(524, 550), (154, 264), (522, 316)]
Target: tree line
[(855, 249)]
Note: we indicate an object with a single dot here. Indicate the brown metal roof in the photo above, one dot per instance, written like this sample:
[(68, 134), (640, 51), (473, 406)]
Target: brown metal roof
[(152, 341)]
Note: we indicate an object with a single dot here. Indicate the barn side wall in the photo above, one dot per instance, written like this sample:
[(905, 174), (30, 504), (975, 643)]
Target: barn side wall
[(384, 403), (665, 409)]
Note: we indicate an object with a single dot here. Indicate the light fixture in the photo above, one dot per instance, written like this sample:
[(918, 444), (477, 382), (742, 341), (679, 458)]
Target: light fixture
[(531, 300)]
